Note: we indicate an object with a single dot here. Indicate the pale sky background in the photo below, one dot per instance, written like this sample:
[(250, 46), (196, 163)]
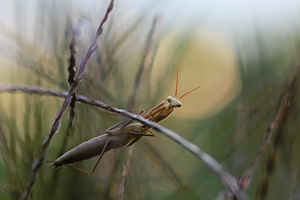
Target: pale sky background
[(215, 27), (274, 15)]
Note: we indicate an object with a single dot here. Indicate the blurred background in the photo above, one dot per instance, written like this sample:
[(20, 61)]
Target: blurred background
[(242, 53)]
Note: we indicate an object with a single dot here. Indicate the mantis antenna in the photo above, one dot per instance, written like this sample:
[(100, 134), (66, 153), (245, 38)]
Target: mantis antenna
[(176, 87)]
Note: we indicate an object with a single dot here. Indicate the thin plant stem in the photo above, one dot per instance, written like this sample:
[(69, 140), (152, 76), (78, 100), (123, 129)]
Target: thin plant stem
[(286, 98), (228, 180), (56, 124), (125, 172), (133, 96)]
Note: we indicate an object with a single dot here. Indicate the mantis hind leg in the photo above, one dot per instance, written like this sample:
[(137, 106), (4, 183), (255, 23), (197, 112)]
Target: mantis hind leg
[(150, 134), (125, 122), (130, 120)]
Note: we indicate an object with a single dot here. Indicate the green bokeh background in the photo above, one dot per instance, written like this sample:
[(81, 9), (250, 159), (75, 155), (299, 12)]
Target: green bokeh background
[(241, 55)]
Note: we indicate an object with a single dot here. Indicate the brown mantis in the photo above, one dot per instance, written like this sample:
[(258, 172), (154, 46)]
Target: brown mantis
[(121, 134)]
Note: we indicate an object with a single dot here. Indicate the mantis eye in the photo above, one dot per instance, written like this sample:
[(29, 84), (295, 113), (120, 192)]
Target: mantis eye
[(169, 99)]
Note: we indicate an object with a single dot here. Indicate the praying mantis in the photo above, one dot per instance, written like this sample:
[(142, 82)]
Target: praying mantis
[(120, 134)]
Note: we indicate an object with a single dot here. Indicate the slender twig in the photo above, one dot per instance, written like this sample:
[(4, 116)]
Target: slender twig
[(133, 96), (75, 32), (282, 110), (229, 181), (56, 124), (125, 172), (33, 90), (71, 78)]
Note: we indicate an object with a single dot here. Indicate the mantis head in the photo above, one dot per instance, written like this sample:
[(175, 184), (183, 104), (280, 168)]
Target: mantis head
[(173, 102)]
